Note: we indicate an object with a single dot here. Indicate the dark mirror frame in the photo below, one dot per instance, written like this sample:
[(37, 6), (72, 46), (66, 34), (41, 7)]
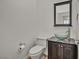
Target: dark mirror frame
[(59, 4)]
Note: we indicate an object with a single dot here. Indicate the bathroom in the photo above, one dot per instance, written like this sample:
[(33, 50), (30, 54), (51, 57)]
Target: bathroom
[(21, 21)]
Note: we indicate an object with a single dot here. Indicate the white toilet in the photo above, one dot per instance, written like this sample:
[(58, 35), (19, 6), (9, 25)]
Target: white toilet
[(36, 52)]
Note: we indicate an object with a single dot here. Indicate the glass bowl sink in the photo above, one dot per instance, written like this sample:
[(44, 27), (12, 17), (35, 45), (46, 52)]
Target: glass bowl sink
[(66, 35), (61, 37)]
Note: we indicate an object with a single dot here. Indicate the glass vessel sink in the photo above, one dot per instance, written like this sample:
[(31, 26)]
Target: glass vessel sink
[(63, 37)]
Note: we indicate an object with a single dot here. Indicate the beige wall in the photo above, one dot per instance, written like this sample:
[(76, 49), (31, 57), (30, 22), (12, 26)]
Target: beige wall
[(78, 19), (46, 13), (23, 20), (18, 23)]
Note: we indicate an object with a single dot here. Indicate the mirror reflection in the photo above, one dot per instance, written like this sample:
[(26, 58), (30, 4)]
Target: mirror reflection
[(62, 13)]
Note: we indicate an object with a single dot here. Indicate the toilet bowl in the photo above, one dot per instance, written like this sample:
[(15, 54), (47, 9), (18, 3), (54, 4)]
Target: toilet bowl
[(36, 52)]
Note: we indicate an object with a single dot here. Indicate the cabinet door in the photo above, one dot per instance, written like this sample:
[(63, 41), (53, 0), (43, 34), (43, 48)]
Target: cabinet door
[(70, 51), (54, 51), (61, 51), (49, 50)]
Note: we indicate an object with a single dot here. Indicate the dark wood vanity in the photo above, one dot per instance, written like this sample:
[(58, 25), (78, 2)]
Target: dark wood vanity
[(59, 50)]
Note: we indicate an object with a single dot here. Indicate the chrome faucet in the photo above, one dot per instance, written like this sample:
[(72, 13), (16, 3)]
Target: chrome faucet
[(68, 31)]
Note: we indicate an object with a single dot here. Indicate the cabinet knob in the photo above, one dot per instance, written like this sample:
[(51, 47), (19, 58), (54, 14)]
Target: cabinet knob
[(61, 46)]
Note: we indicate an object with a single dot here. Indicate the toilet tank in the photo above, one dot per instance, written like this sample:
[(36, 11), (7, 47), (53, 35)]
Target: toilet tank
[(41, 41)]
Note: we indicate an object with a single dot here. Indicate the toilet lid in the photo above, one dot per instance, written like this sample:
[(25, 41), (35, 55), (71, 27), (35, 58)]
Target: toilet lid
[(36, 49)]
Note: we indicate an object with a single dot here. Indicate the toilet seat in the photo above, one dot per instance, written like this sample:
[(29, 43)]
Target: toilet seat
[(36, 49)]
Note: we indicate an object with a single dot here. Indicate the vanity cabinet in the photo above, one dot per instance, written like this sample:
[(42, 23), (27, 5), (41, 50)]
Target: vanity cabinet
[(59, 50)]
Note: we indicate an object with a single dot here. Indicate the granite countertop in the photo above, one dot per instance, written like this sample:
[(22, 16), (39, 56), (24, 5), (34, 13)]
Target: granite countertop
[(70, 41)]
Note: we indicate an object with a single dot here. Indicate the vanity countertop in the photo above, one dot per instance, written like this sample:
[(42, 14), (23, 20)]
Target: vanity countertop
[(54, 39)]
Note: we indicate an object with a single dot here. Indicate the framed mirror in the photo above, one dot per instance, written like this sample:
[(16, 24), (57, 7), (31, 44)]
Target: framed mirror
[(63, 14)]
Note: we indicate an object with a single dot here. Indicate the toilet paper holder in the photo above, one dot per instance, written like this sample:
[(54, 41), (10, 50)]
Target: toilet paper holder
[(21, 47)]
